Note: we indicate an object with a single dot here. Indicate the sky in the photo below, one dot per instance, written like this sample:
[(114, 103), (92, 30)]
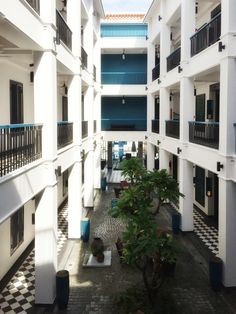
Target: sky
[(126, 5)]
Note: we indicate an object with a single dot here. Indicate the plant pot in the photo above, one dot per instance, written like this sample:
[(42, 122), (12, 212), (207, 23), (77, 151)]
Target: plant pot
[(175, 223), (85, 229), (103, 183), (62, 288), (215, 273), (100, 258), (97, 246), (117, 192)]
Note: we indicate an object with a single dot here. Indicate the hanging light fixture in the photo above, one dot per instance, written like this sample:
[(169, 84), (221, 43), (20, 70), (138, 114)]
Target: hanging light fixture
[(123, 54), (123, 100)]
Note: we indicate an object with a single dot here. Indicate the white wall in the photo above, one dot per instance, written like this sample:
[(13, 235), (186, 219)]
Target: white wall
[(6, 259), (8, 72)]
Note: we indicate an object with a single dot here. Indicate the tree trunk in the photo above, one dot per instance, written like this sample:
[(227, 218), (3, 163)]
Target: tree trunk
[(148, 288)]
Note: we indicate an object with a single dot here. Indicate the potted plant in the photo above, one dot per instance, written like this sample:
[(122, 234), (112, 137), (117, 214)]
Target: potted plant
[(97, 249)]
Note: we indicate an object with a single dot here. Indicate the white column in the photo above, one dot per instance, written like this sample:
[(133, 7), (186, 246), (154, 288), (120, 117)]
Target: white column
[(150, 111), (163, 159), (45, 100), (187, 27), (150, 156), (227, 230), (187, 103), (228, 21), (74, 23), (164, 40), (186, 187), (89, 109), (227, 106), (48, 11), (164, 109), (88, 178), (46, 242), (74, 201)]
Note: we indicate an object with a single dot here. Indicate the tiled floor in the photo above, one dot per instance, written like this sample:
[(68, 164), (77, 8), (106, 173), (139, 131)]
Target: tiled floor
[(18, 295), (207, 234)]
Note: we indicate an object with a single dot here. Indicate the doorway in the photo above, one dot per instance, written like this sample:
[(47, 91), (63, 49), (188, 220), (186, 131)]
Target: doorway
[(16, 103)]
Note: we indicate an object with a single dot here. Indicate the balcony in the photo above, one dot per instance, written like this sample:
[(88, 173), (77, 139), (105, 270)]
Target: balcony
[(84, 129), (133, 78), (64, 134), (35, 4), (173, 60), (84, 58), (155, 126), (63, 30), (124, 30), (204, 133), (124, 124), (20, 144), (156, 72), (172, 128), (206, 36)]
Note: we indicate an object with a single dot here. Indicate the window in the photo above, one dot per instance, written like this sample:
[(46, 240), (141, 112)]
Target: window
[(17, 229)]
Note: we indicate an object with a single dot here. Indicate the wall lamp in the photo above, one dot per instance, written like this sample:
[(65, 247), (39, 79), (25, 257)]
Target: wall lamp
[(180, 69), (82, 154), (123, 100), (220, 46), (219, 166), (158, 81), (146, 137), (158, 142), (179, 150), (58, 171), (159, 18)]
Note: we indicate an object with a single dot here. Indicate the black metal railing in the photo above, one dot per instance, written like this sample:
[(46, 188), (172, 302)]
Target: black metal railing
[(94, 126), (173, 60), (172, 128), (64, 134), (63, 30), (84, 58), (35, 4), (156, 72), (84, 129), (155, 126), (20, 144), (94, 73), (204, 133), (207, 35)]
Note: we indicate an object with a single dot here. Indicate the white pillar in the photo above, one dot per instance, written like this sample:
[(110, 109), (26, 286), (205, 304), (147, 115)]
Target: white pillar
[(88, 178), (228, 21), (88, 109), (187, 103), (46, 243), (164, 109), (75, 201), (186, 187), (45, 100), (227, 106), (164, 40), (48, 11), (150, 111), (227, 230), (74, 23), (163, 159), (187, 27), (150, 156)]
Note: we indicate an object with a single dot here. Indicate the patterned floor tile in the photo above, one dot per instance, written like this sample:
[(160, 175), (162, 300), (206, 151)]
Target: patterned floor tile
[(18, 295)]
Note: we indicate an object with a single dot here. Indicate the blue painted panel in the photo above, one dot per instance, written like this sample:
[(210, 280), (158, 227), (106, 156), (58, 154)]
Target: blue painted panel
[(132, 112), (131, 70), (124, 30)]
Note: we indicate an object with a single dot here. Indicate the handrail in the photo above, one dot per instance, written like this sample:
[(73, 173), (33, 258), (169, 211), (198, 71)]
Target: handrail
[(205, 25), (20, 125), (204, 122)]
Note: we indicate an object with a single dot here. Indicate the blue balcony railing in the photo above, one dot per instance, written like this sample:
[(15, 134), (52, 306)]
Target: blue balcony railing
[(64, 134), (124, 30), (124, 124), (204, 133), (20, 144), (124, 78), (172, 128)]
